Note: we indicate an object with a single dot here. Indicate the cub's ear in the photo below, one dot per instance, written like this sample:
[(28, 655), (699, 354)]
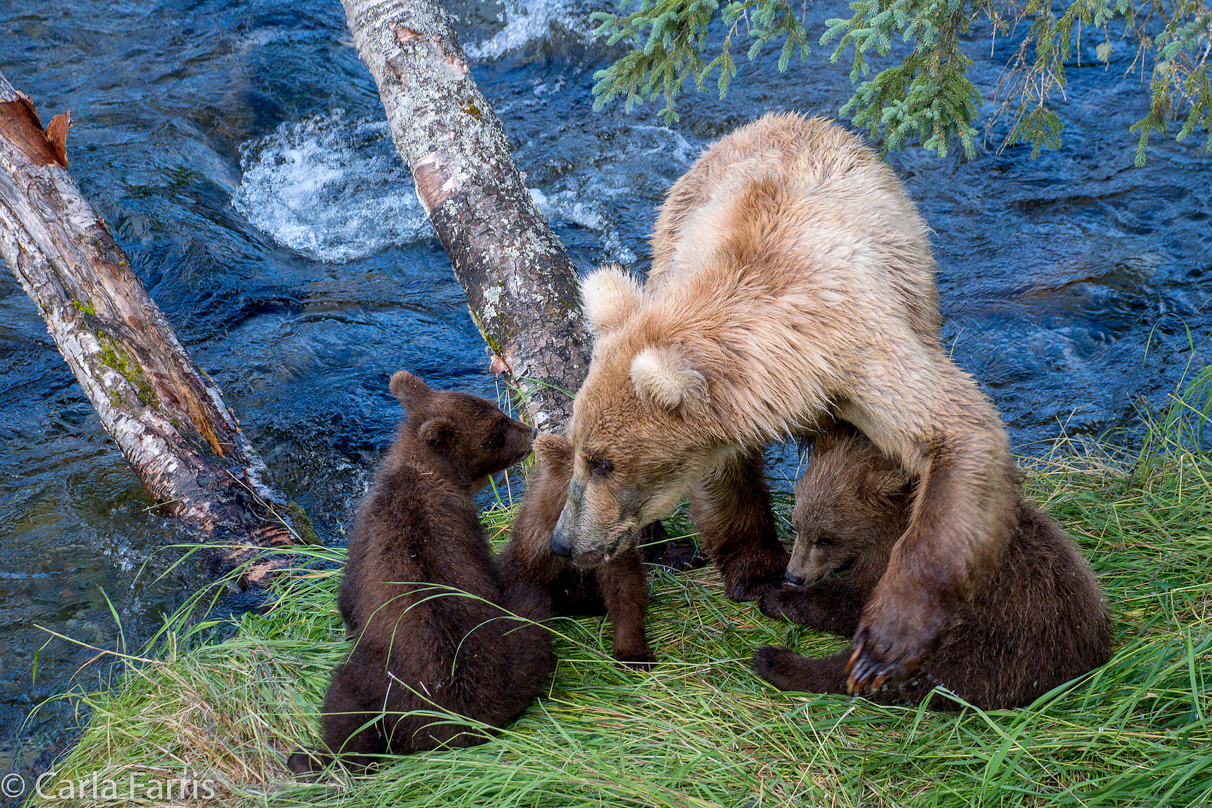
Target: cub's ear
[(408, 389), (609, 295), (438, 432), (553, 450), (883, 479), (834, 435), (664, 376)]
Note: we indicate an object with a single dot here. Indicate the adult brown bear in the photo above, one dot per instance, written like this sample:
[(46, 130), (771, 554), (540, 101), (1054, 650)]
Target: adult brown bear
[(792, 285)]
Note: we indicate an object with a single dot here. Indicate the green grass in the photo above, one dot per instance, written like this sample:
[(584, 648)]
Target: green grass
[(701, 729)]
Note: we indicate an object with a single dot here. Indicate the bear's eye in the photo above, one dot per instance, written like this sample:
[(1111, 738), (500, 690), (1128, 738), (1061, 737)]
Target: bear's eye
[(599, 466), (824, 541), (496, 439)]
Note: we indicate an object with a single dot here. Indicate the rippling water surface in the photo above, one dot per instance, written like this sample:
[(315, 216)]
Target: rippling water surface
[(238, 151)]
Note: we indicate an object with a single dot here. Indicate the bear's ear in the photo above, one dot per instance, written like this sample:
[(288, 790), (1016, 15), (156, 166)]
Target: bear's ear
[(831, 436), (408, 389), (438, 432), (609, 295), (666, 377), (883, 479), (553, 449)]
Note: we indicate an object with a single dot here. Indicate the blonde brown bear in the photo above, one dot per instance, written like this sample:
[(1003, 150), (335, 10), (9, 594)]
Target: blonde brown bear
[(792, 284)]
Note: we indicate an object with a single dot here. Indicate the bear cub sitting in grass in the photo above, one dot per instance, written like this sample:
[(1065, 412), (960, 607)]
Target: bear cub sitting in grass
[(619, 586), (421, 598), (1037, 620)]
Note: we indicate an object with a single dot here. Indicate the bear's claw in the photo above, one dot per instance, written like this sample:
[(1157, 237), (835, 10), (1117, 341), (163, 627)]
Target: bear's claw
[(867, 670), (899, 631)]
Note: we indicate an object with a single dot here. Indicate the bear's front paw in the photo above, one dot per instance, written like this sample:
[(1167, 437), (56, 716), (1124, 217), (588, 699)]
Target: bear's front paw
[(642, 661), (781, 602), (892, 642)]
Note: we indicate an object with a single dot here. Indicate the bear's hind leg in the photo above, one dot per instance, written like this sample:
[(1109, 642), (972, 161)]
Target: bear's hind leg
[(731, 508), (351, 715), (533, 659)]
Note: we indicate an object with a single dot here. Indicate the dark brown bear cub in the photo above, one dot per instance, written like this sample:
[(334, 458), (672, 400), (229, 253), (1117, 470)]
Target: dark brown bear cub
[(421, 644), (618, 586), (1037, 620)]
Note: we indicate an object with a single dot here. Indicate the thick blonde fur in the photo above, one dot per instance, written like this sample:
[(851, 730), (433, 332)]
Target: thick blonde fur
[(661, 375), (793, 274), (608, 295)]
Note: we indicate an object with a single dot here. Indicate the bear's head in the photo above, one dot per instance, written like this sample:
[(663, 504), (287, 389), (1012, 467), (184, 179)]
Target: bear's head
[(641, 429), (851, 501), (466, 433)]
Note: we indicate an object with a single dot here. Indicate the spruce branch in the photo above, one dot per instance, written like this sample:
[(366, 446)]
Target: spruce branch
[(927, 97)]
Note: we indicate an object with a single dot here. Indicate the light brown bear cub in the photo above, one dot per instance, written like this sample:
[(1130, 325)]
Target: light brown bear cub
[(619, 586), (421, 644), (791, 285), (1036, 621)]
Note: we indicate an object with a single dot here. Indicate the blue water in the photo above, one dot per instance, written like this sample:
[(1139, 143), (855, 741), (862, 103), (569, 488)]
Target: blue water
[(237, 150)]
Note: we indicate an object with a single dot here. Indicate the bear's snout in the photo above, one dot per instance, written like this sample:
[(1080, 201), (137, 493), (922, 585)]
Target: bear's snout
[(794, 579), (560, 544)]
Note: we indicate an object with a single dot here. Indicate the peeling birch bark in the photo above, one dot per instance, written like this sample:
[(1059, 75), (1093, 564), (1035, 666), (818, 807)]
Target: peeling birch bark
[(166, 416), (521, 287)]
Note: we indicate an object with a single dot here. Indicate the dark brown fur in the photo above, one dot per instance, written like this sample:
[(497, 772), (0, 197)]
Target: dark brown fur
[(619, 586), (1036, 621), (730, 506), (420, 643)]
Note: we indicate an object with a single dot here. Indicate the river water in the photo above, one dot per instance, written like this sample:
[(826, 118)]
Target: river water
[(238, 152)]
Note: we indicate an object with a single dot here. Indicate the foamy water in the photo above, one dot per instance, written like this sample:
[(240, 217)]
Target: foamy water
[(330, 188), (333, 188), (618, 167), (528, 21)]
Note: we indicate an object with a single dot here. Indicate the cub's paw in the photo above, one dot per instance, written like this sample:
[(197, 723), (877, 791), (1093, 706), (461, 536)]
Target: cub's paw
[(752, 574), (776, 665), (658, 549), (642, 661), (307, 762), (783, 601), (751, 588)]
